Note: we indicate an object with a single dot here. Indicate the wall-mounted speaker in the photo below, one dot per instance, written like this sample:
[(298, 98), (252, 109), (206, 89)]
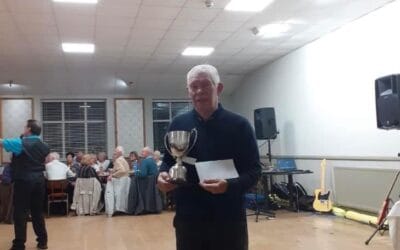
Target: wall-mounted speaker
[(388, 102), (265, 124)]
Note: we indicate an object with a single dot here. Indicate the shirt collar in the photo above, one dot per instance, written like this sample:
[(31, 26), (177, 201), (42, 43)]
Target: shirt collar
[(213, 116), (31, 136)]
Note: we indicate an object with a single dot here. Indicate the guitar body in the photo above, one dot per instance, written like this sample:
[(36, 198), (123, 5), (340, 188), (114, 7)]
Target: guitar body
[(322, 201)]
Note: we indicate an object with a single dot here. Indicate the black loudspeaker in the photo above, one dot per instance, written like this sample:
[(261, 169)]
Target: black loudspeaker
[(388, 102), (265, 124)]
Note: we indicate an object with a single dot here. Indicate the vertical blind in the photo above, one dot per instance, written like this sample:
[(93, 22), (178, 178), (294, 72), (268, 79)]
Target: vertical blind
[(163, 113), (71, 126)]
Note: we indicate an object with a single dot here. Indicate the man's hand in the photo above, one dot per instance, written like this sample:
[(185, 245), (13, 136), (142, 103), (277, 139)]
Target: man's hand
[(218, 186), (163, 182)]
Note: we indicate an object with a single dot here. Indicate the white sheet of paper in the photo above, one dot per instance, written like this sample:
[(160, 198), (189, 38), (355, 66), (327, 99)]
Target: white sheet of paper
[(222, 169)]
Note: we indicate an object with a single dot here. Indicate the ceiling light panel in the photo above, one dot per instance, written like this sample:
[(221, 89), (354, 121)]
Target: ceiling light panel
[(248, 6), (198, 51), (77, 1), (78, 47), (274, 30)]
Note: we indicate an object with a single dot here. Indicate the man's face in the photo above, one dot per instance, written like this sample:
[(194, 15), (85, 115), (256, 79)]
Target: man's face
[(144, 153), (27, 130), (203, 92)]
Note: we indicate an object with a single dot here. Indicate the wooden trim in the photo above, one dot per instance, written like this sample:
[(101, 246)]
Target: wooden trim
[(116, 123)]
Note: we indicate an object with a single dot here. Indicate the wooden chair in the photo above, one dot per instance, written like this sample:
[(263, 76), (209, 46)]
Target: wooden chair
[(56, 193)]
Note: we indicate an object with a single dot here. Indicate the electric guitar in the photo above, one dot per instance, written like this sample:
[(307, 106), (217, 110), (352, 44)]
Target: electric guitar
[(322, 201)]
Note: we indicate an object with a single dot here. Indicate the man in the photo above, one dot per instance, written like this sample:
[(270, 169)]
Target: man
[(102, 161), (121, 166), (157, 158), (56, 170), (211, 214), (147, 166), (29, 154)]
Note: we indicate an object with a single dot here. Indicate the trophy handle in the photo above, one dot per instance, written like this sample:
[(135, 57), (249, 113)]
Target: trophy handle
[(166, 144), (193, 131)]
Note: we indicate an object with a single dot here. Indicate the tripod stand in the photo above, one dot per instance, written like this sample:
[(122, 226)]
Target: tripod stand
[(262, 209), (381, 226)]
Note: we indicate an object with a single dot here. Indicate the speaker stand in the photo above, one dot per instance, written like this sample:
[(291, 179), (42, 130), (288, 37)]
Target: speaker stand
[(269, 152)]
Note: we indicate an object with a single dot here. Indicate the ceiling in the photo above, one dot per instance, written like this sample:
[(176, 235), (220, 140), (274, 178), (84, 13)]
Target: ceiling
[(141, 41)]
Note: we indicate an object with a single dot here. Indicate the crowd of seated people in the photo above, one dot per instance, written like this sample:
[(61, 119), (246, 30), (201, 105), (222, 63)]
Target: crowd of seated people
[(79, 165)]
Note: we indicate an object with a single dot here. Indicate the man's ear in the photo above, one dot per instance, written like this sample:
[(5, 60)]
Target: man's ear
[(220, 87)]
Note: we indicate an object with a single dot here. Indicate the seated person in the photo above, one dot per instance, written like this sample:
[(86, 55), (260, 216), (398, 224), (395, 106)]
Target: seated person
[(6, 193), (121, 166), (102, 161), (69, 157), (157, 158), (87, 186), (147, 166), (86, 170), (93, 162), (134, 158), (76, 165), (56, 170)]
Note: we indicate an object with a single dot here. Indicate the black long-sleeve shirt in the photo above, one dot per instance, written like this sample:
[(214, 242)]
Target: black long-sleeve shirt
[(224, 135)]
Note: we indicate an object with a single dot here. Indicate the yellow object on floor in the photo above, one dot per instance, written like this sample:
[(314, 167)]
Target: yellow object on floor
[(338, 211), (368, 219)]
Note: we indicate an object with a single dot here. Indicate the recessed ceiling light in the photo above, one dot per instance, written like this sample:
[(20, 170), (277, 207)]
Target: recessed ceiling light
[(76, 1), (273, 30), (78, 47), (197, 51), (250, 5)]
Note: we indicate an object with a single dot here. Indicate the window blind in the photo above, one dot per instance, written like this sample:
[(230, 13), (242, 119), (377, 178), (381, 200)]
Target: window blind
[(163, 113), (71, 126)]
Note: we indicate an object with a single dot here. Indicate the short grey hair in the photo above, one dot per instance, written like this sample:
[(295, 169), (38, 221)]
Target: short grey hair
[(120, 149), (54, 156), (207, 69), (148, 150)]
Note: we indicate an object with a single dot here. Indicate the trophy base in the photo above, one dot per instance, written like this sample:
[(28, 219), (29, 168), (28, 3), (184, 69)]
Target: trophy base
[(178, 181)]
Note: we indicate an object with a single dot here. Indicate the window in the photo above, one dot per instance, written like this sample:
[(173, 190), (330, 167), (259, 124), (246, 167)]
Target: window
[(163, 113), (71, 126)]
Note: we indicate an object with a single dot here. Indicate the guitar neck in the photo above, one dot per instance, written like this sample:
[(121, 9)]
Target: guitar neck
[(323, 166)]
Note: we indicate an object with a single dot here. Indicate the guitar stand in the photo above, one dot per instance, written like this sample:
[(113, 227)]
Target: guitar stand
[(382, 227)]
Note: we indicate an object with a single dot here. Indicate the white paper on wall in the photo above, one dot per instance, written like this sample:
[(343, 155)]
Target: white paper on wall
[(14, 114), (129, 124)]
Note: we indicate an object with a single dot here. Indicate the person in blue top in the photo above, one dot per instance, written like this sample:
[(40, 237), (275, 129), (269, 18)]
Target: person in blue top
[(147, 166), (27, 167), (211, 214)]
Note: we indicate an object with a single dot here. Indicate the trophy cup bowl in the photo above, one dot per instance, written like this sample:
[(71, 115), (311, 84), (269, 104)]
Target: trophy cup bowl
[(178, 145)]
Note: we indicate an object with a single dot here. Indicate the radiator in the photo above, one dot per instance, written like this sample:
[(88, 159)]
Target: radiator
[(364, 188)]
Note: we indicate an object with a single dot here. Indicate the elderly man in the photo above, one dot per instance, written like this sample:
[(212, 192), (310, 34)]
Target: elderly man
[(121, 166), (214, 207), (56, 170), (147, 166)]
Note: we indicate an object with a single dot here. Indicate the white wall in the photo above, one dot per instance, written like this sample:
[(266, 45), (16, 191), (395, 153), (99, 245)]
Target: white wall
[(324, 97), (323, 93)]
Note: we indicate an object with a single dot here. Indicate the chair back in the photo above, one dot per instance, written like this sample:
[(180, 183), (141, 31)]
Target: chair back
[(57, 192), (56, 186)]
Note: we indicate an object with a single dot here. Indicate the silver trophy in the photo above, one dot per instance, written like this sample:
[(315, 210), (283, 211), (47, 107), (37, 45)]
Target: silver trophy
[(178, 142)]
